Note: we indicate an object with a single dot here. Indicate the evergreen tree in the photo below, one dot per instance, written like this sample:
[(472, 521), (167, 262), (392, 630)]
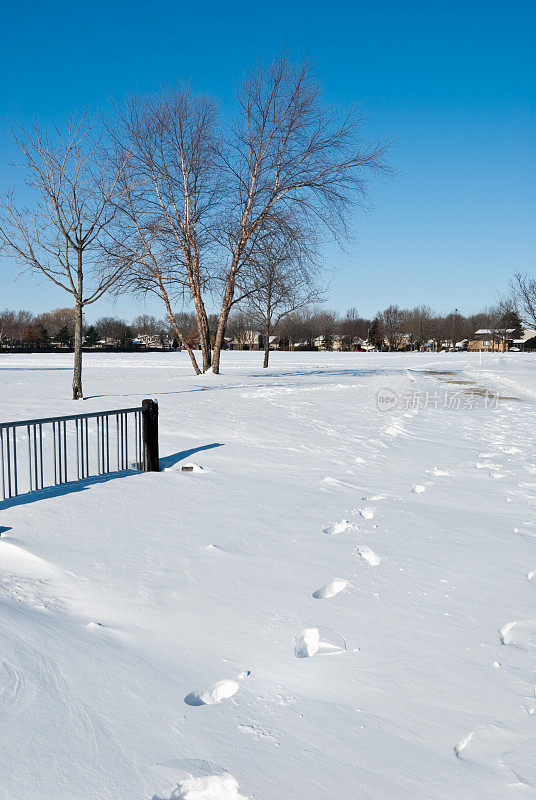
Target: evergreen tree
[(92, 337)]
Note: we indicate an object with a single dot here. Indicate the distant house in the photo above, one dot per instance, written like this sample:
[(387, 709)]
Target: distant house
[(152, 340), (526, 335), (246, 340), (492, 340), (328, 342)]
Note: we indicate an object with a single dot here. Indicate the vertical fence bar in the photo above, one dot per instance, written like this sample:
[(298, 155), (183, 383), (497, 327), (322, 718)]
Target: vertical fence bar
[(65, 450), (54, 455), (98, 448), (136, 440), (30, 455), (41, 453), (8, 448), (76, 440), (122, 441), (15, 465), (35, 453), (107, 443), (117, 427), (87, 448), (2, 457), (126, 441)]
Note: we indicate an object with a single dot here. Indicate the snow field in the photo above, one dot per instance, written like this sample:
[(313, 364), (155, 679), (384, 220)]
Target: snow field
[(161, 634)]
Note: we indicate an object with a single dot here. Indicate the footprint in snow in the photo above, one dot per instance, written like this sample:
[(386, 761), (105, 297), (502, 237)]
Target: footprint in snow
[(330, 589), (367, 512), (221, 690), (307, 643), (368, 555), (338, 527), (210, 787), (522, 634), (316, 641)]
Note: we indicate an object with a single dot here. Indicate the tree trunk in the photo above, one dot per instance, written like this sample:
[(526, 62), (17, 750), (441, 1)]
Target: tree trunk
[(182, 339), (266, 345), (222, 323), (175, 327), (204, 333), (77, 373)]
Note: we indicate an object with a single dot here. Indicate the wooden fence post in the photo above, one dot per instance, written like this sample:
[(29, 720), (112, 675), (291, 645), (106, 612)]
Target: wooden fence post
[(151, 462)]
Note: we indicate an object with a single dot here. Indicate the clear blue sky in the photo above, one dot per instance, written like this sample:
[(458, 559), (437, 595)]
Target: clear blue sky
[(452, 84)]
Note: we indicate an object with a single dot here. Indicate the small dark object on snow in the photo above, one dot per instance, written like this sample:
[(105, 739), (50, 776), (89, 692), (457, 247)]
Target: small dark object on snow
[(187, 469)]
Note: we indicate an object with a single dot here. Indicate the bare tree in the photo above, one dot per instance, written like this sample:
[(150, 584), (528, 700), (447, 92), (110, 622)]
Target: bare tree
[(523, 288), (59, 319), (454, 327), (421, 325), (289, 156), (197, 203), (391, 319), (353, 328), (278, 280), (115, 332), (13, 324), (60, 237), (168, 202)]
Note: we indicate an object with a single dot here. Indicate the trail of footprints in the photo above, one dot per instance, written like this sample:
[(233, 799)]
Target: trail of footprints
[(510, 750), (491, 740), (313, 640)]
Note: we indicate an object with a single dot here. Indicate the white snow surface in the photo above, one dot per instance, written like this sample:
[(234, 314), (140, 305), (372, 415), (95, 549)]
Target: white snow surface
[(122, 597)]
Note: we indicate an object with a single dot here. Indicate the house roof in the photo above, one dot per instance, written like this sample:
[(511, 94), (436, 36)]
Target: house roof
[(486, 331)]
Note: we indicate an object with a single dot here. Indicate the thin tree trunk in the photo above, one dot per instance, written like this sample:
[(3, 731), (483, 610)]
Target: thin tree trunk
[(175, 327), (77, 373), (266, 345), (183, 340), (204, 333), (222, 323)]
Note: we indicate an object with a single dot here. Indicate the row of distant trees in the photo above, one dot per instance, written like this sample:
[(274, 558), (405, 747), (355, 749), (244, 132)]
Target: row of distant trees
[(22, 329), (394, 328), (170, 197)]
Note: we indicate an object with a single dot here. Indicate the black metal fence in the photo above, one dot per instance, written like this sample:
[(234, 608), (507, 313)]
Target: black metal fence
[(38, 453)]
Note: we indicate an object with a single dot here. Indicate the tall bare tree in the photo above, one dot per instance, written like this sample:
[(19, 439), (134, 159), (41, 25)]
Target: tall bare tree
[(168, 202), (288, 156), (75, 191)]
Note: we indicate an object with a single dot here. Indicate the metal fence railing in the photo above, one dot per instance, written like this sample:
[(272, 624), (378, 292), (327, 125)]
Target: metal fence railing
[(38, 453)]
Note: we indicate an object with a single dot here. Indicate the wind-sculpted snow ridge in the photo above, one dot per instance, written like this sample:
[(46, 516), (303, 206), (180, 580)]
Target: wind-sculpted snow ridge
[(167, 637)]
